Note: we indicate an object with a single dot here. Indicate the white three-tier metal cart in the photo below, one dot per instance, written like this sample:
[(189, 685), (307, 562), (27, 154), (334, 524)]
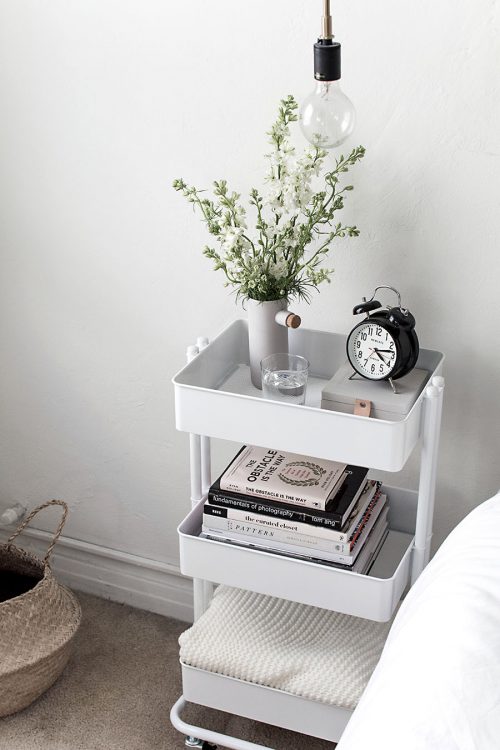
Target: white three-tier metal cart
[(214, 398)]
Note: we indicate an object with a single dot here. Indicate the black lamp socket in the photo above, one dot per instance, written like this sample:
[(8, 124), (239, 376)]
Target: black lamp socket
[(326, 60)]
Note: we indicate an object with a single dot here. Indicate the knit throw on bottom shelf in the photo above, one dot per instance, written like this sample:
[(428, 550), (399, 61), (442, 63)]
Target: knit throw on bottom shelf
[(306, 651)]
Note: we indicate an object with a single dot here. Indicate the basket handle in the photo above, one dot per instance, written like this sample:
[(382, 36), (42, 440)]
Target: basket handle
[(31, 516)]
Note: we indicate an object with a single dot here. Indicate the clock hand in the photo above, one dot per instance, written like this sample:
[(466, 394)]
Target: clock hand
[(377, 352)]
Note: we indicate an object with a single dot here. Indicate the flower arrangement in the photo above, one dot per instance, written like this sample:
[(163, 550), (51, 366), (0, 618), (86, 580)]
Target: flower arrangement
[(278, 262)]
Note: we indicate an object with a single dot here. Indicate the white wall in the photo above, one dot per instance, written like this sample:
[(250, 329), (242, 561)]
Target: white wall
[(103, 103)]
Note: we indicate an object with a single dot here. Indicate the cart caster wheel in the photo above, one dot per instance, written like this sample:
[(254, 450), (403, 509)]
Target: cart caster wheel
[(208, 746), (192, 742)]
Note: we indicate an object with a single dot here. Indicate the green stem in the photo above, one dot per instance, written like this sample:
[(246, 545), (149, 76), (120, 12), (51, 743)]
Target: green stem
[(245, 237)]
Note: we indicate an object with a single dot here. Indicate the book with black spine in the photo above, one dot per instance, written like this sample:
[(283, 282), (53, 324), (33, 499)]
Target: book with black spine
[(327, 534), (322, 518)]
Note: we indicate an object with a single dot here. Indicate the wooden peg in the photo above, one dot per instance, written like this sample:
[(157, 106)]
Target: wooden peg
[(362, 407), (293, 321)]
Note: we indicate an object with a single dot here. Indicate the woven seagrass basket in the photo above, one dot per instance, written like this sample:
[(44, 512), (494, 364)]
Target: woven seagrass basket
[(38, 620)]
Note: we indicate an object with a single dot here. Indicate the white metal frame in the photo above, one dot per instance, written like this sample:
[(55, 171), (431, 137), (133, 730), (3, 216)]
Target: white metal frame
[(207, 735), (200, 475)]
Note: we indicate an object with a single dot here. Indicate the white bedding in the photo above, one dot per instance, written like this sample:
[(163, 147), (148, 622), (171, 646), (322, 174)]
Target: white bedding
[(437, 685)]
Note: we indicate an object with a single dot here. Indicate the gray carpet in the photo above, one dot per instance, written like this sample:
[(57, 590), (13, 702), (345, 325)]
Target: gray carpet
[(117, 691)]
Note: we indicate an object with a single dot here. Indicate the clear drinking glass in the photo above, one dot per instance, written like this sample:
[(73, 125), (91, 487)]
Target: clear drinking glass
[(284, 377)]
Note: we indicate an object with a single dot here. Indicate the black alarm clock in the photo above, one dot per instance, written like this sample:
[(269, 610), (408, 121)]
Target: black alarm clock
[(383, 346)]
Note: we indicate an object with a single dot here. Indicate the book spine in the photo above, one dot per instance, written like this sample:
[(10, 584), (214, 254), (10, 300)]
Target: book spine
[(368, 519), (280, 538), (239, 541), (248, 535), (360, 565), (274, 538), (252, 506), (278, 524), (278, 497)]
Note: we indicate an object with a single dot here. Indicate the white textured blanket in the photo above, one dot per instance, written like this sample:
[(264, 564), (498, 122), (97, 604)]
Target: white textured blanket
[(311, 652)]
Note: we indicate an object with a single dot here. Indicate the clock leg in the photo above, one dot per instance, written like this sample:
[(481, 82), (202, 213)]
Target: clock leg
[(391, 383)]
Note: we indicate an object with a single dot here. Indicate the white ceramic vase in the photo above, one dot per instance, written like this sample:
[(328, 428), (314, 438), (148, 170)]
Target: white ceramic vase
[(265, 335)]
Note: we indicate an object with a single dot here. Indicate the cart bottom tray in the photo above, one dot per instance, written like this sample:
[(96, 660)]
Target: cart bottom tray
[(268, 705), (280, 662), (374, 596)]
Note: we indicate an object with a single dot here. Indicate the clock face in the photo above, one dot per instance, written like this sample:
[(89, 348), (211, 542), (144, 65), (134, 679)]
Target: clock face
[(372, 351)]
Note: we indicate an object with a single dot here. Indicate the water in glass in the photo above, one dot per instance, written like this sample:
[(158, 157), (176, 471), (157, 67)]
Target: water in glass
[(284, 385)]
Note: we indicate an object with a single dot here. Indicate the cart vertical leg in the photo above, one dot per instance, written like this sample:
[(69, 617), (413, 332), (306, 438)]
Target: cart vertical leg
[(206, 469), (195, 471), (200, 472), (206, 481), (206, 464), (195, 468), (428, 466), (207, 589)]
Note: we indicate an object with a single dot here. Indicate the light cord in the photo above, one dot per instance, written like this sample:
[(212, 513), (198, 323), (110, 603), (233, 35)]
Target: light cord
[(327, 27)]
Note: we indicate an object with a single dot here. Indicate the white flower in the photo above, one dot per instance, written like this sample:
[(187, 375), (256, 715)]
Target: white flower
[(289, 197), (240, 214), (274, 195), (278, 270), (231, 237), (292, 191)]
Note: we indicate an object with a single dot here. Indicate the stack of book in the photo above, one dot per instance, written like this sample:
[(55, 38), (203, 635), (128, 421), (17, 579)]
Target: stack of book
[(299, 506)]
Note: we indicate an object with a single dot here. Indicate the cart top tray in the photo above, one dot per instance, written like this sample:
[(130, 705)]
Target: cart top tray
[(215, 397)]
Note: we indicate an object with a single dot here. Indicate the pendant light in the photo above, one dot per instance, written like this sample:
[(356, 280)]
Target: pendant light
[(327, 115)]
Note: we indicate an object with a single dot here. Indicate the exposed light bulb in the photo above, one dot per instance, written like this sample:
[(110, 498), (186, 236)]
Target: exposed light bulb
[(327, 116)]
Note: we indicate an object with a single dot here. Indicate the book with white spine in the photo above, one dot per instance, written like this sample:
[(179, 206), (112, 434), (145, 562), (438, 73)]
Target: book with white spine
[(362, 564), (285, 477)]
